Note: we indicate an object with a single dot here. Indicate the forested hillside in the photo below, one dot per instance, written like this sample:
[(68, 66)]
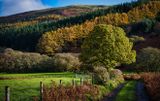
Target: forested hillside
[(48, 14), (65, 38), (25, 35)]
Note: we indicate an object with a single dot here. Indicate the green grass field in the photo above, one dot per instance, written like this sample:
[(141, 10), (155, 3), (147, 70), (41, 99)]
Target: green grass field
[(25, 86)]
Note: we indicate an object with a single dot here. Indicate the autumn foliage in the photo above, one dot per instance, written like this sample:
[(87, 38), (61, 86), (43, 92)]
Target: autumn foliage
[(24, 33), (152, 83), (71, 93), (53, 41), (148, 10)]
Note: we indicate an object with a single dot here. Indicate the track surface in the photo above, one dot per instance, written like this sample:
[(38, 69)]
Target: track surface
[(141, 93)]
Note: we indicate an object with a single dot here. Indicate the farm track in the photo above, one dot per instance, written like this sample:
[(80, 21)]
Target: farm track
[(141, 94), (111, 96)]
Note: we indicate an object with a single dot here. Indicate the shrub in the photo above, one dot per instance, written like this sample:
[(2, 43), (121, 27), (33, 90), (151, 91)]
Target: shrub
[(17, 61), (114, 73), (132, 76), (116, 78), (101, 75), (147, 25), (144, 26), (136, 39), (86, 92), (67, 61), (148, 59), (152, 83)]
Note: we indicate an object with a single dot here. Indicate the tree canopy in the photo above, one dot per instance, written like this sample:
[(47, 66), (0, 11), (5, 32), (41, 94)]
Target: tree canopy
[(107, 46), (71, 37)]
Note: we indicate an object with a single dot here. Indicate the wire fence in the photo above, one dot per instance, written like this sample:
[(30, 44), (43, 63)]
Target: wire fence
[(9, 95)]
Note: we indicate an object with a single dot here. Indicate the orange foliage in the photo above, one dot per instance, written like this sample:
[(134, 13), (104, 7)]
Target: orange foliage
[(113, 19), (152, 83), (52, 41), (149, 10), (77, 93)]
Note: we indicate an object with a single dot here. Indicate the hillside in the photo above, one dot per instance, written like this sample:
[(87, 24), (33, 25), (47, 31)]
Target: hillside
[(24, 35), (62, 12), (68, 38), (63, 29)]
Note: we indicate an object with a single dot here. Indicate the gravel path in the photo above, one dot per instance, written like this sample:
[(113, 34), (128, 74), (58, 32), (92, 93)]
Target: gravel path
[(141, 93), (111, 96)]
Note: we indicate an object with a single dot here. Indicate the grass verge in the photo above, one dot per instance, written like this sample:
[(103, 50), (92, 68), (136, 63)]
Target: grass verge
[(128, 92)]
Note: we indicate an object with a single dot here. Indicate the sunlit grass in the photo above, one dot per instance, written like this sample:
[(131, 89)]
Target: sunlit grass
[(28, 75), (28, 86)]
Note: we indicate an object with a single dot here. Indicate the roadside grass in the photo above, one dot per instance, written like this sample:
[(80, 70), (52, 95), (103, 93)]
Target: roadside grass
[(24, 86), (128, 92)]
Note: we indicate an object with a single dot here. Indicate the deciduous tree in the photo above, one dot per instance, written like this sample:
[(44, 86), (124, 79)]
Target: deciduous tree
[(107, 46)]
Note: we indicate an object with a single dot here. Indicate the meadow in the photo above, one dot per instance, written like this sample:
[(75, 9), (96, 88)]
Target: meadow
[(26, 86), (116, 49)]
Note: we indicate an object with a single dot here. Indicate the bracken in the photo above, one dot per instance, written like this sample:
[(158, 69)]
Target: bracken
[(152, 83)]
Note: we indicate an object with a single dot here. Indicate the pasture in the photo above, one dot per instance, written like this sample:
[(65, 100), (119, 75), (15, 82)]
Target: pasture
[(26, 86)]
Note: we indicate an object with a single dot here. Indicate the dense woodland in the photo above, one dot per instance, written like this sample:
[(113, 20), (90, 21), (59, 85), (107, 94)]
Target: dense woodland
[(140, 21), (25, 36), (73, 36)]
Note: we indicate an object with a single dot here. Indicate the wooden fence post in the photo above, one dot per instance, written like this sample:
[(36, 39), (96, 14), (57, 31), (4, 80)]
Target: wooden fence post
[(81, 81), (41, 91), (60, 82), (73, 83), (7, 93)]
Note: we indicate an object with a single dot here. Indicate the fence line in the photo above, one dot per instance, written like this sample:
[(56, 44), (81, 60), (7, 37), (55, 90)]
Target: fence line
[(73, 82)]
